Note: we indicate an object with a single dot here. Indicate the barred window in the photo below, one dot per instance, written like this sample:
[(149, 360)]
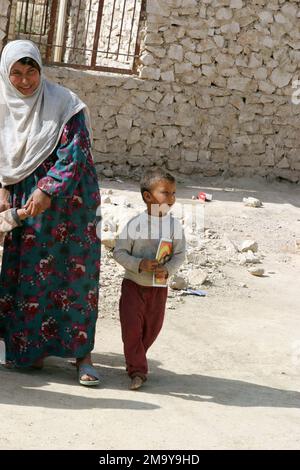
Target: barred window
[(88, 34)]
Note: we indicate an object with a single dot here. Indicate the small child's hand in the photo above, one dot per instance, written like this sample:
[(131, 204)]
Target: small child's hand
[(148, 265), (161, 272)]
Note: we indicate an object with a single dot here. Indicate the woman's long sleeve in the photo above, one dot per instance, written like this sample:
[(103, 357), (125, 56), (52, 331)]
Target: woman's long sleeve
[(63, 177)]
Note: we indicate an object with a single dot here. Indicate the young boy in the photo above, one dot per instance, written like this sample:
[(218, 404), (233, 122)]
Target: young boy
[(142, 305)]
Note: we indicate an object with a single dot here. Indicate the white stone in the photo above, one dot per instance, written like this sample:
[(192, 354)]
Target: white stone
[(280, 78), (153, 39), (157, 7), (248, 258), (190, 156), (266, 17), (266, 87), (261, 73), (219, 40), (248, 245), (238, 4), (124, 122), (289, 10), (252, 202), (185, 67), (259, 272), (134, 136), (230, 28), (224, 14), (284, 163), (238, 83), (147, 58), (176, 52), (168, 76), (150, 73), (194, 58), (225, 59), (197, 277), (178, 283), (280, 18)]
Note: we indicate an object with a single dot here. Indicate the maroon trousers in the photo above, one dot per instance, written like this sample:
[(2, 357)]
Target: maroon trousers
[(142, 311)]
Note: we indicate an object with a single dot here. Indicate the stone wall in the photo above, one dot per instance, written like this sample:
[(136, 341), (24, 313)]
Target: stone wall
[(214, 92), (4, 8)]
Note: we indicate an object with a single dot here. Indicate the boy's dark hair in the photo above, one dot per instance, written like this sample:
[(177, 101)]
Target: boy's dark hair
[(31, 62), (152, 176)]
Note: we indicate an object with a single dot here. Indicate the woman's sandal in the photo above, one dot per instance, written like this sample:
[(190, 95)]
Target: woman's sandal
[(87, 369)]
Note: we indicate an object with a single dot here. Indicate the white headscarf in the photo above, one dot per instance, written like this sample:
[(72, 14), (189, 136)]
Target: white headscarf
[(30, 126)]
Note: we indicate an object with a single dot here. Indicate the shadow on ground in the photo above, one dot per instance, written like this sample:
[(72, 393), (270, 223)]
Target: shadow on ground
[(24, 388), (199, 387)]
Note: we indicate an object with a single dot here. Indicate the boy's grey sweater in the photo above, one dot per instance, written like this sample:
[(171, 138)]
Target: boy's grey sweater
[(140, 239)]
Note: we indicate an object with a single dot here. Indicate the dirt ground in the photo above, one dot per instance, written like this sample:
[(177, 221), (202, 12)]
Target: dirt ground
[(225, 371)]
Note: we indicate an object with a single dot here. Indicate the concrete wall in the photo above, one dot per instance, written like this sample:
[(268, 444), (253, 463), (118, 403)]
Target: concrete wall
[(214, 92)]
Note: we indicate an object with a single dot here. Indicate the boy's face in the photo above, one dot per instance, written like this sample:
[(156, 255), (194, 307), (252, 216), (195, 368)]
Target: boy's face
[(161, 197)]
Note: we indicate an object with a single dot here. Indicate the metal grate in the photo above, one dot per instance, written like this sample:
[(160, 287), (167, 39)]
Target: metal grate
[(32, 17), (88, 34)]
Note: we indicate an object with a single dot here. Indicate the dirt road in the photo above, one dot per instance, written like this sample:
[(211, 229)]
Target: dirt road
[(225, 371)]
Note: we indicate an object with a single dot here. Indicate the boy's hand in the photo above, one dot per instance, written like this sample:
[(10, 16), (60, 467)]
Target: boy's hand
[(148, 265), (161, 272)]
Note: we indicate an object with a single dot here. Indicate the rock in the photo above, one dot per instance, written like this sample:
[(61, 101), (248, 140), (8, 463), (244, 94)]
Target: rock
[(248, 258), (266, 16), (236, 4), (280, 78), (197, 277), (248, 245), (108, 172), (178, 283), (176, 52), (224, 14), (168, 76), (150, 73), (259, 272), (242, 284), (230, 28), (252, 202), (195, 258), (238, 83)]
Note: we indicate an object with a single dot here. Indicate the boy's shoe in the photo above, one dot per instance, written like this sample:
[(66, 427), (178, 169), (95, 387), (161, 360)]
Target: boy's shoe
[(136, 382)]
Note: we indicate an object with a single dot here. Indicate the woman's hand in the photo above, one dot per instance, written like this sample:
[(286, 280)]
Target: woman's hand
[(25, 213), (40, 202), (4, 196)]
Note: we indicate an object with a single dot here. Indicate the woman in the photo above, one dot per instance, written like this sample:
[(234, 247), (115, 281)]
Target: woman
[(50, 269)]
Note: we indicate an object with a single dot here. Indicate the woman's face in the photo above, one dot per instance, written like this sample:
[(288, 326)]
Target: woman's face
[(24, 78)]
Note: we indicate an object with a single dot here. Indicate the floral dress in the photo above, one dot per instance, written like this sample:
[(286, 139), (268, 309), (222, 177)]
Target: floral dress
[(50, 270)]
